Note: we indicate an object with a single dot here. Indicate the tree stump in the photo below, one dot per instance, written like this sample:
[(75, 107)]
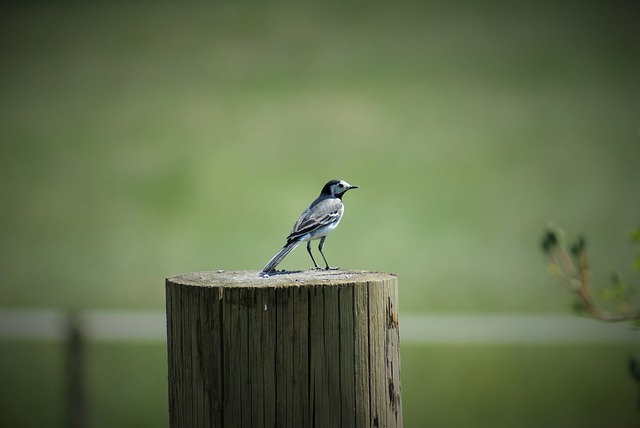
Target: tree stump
[(296, 349)]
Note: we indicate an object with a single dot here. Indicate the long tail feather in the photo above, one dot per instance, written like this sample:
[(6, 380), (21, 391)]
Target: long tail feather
[(280, 255)]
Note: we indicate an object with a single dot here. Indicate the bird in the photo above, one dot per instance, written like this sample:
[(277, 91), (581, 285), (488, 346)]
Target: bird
[(315, 222)]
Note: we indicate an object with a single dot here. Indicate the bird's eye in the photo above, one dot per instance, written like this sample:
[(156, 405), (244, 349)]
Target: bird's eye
[(341, 185)]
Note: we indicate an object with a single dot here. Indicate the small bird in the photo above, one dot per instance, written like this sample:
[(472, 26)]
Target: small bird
[(316, 222)]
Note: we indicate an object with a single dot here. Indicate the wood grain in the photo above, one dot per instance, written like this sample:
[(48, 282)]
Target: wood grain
[(296, 349)]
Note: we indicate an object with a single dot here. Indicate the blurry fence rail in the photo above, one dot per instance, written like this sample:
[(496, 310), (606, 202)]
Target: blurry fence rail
[(150, 326)]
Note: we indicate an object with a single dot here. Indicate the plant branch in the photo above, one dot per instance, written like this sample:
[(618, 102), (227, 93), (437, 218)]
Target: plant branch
[(572, 271)]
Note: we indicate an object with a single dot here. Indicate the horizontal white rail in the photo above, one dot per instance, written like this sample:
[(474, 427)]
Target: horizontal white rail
[(512, 329), (150, 326), (96, 325)]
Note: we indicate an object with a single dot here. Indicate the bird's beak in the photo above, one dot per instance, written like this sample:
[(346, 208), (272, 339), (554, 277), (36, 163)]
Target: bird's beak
[(353, 187)]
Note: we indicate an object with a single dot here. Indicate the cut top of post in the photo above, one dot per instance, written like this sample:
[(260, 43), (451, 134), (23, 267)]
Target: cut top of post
[(252, 278)]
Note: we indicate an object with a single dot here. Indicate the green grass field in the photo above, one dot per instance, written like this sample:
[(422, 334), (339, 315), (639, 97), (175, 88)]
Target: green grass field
[(443, 386), (141, 141)]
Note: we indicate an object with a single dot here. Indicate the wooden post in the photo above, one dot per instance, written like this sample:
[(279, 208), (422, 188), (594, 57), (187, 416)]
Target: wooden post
[(300, 349)]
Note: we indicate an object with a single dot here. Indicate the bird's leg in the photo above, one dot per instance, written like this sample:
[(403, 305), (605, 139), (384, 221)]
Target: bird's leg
[(309, 251), (320, 245)]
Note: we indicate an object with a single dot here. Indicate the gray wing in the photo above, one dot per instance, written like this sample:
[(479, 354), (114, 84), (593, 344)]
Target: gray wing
[(318, 215)]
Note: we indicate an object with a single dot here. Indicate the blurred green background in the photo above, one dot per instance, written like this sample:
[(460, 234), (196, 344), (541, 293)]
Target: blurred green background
[(144, 140)]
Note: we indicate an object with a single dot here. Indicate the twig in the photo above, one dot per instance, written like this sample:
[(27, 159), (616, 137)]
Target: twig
[(573, 272)]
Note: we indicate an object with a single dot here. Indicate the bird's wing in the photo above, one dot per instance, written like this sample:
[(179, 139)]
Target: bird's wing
[(318, 215)]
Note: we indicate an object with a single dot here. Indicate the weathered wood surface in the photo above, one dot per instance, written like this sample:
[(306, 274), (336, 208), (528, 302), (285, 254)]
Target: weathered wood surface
[(299, 349)]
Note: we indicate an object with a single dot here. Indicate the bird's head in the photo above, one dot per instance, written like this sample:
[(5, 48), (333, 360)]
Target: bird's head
[(337, 188)]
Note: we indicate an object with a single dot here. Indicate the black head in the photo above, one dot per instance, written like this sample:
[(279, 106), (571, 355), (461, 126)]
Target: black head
[(337, 188)]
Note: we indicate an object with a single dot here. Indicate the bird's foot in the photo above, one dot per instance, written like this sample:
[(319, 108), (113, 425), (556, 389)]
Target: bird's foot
[(331, 268)]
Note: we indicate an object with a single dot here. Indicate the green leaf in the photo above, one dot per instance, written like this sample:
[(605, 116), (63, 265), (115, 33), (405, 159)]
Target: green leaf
[(549, 241), (607, 294), (578, 246), (578, 307)]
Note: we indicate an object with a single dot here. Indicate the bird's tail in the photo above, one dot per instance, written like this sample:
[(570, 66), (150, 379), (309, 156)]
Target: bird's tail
[(275, 260)]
